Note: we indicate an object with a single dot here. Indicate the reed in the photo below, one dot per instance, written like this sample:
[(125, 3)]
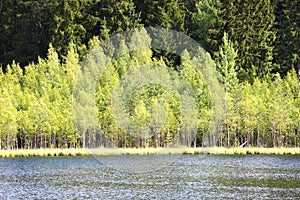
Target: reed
[(246, 150), (42, 152), (146, 151)]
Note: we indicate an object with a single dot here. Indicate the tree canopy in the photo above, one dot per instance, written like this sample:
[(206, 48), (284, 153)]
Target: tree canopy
[(43, 45)]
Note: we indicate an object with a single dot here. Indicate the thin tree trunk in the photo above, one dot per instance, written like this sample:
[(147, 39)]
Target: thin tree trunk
[(252, 136), (298, 66), (273, 137), (157, 140), (280, 138), (8, 141), (228, 136), (35, 141), (51, 140), (65, 140), (235, 130), (295, 138), (257, 141), (45, 142), (41, 140), (83, 139), (189, 139), (125, 139), (221, 139), (91, 139)]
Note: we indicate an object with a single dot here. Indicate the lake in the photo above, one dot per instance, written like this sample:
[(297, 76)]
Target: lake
[(179, 177)]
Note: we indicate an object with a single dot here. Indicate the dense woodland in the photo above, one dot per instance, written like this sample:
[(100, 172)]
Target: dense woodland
[(255, 45)]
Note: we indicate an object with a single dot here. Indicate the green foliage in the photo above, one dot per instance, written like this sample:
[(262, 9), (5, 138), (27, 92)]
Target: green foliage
[(205, 24), (226, 64), (8, 111), (255, 45), (249, 26), (287, 50), (26, 29), (166, 13)]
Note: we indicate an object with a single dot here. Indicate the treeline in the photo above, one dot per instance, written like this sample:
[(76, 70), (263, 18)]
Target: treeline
[(265, 33), (37, 108), (36, 104), (255, 45)]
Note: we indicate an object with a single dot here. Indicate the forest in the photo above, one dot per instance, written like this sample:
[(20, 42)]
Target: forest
[(255, 46)]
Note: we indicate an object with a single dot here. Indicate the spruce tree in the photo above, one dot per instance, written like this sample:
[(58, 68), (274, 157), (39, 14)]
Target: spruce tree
[(249, 26), (205, 25), (287, 27), (226, 66)]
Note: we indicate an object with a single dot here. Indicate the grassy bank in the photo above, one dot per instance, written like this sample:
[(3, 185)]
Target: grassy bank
[(246, 150), (146, 151), (42, 152)]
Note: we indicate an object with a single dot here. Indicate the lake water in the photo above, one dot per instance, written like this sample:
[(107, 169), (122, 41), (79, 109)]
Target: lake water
[(186, 177)]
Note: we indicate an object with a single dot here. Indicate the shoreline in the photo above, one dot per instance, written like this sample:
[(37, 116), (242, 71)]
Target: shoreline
[(146, 151)]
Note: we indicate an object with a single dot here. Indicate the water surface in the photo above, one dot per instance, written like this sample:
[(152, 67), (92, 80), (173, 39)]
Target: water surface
[(188, 177)]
